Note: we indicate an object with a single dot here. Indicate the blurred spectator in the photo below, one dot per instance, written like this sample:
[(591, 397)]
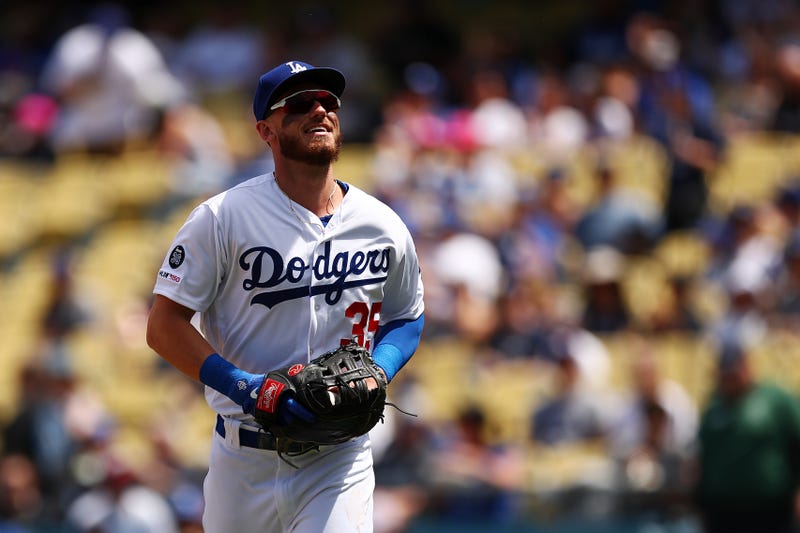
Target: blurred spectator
[(749, 452), (411, 32), (485, 191), (612, 120), (743, 321), (618, 217), (164, 469), (673, 93), (677, 311), (26, 118), (110, 82), (676, 107), (649, 387), (66, 309), (744, 264), (605, 307), (26, 112), (578, 408), (652, 438), (652, 481), (401, 449), (56, 412), (411, 122), (144, 489), (317, 34), (557, 128), (571, 415), (495, 120), (119, 503), (187, 504), (404, 461), (222, 53), (527, 313), (787, 114), (784, 308), (746, 60), (786, 201), (475, 480), (39, 431), (466, 279), (619, 82), (599, 37), (745, 245), (402, 476), (434, 167), (193, 142), (539, 232), (23, 509), (56, 417)]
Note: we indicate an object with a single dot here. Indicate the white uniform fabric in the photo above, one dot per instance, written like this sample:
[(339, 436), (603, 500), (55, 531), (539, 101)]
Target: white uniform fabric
[(273, 287), (250, 490)]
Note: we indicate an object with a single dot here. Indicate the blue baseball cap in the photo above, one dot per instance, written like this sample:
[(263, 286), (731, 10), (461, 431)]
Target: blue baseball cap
[(274, 82)]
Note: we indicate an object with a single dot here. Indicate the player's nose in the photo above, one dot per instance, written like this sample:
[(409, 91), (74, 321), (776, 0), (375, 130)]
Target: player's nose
[(317, 108)]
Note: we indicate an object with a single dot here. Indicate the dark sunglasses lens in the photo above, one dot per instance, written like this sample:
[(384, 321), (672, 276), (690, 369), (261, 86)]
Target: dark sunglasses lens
[(303, 103)]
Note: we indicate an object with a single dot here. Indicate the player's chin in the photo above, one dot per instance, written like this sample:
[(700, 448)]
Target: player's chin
[(316, 153)]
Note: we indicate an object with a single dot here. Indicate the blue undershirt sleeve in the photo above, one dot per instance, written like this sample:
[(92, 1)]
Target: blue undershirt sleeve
[(395, 343), (233, 382)]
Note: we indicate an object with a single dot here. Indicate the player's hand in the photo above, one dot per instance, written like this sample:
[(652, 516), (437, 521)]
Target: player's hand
[(370, 382), (373, 384), (291, 411), (251, 391)]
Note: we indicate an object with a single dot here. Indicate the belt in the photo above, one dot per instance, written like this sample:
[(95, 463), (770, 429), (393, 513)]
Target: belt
[(263, 440)]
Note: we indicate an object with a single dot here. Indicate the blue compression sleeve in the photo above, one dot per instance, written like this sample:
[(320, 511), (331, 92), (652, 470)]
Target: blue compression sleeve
[(395, 343), (233, 382)]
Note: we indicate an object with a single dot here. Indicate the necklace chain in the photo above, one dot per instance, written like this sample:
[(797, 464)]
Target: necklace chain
[(328, 205)]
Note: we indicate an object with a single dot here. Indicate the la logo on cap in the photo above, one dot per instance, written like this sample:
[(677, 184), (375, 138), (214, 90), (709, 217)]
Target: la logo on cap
[(295, 67)]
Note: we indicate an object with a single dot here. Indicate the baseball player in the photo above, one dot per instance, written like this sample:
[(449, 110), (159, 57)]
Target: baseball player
[(281, 268)]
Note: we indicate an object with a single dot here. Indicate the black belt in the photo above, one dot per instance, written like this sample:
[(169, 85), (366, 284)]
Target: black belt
[(263, 440)]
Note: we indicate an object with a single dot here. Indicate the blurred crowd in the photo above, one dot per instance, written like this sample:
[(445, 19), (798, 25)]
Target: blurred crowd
[(545, 182)]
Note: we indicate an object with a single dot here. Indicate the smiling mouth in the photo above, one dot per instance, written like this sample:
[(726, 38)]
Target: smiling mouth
[(318, 130)]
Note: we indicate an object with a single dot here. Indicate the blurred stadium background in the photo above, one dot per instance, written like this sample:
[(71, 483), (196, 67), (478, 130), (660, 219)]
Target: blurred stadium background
[(610, 182)]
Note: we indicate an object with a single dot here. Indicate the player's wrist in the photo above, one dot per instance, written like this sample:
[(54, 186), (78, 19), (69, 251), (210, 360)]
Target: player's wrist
[(386, 357), (230, 380)]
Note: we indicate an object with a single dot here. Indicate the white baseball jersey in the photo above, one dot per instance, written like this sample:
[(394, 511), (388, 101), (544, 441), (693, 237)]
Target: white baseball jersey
[(274, 286)]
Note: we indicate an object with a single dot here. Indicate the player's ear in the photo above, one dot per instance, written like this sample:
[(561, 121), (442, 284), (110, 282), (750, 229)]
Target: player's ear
[(265, 131)]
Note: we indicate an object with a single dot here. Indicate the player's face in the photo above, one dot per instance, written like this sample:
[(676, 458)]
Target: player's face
[(309, 127)]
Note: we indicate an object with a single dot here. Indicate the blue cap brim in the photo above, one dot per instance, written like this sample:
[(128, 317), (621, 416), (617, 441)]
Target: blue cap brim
[(327, 78)]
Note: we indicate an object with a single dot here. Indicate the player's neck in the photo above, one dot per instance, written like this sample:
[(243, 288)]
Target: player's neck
[(317, 192)]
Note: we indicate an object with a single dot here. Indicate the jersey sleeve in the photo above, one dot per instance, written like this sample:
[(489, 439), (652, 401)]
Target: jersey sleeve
[(195, 264), (403, 292)]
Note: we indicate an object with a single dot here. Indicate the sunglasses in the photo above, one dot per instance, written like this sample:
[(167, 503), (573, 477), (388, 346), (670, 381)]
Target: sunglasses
[(302, 102)]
